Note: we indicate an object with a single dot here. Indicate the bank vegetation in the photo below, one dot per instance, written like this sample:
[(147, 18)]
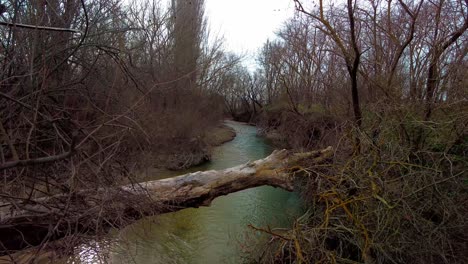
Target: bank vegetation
[(87, 87), (386, 84), (92, 92)]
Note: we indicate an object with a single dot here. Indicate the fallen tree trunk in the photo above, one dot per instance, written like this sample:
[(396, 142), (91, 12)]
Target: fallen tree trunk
[(32, 223)]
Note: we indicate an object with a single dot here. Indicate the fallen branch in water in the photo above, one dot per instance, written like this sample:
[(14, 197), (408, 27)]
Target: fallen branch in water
[(24, 224)]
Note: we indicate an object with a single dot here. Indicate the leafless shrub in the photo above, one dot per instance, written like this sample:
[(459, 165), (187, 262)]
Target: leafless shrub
[(86, 88)]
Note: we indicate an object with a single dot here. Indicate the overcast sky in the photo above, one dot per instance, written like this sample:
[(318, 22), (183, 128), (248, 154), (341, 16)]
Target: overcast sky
[(247, 24)]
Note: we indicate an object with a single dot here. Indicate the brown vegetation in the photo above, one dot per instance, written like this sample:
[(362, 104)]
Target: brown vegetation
[(90, 89), (87, 86), (385, 83)]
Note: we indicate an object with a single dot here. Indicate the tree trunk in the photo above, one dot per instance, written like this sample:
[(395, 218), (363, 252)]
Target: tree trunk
[(93, 211)]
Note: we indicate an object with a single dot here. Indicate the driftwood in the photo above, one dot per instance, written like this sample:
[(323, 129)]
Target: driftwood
[(93, 211)]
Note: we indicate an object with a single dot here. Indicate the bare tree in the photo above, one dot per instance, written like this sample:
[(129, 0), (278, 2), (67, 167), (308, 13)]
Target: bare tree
[(350, 52)]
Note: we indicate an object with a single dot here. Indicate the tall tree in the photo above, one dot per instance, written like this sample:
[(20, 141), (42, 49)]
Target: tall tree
[(350, 52), (188, 31)]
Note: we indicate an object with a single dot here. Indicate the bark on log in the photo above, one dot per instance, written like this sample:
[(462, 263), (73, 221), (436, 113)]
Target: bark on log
[(93, 212)]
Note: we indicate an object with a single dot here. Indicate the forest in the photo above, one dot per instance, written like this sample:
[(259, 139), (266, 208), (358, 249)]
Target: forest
[(92, 92)]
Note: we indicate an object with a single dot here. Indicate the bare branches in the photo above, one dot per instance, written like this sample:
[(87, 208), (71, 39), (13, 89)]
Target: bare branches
[(35, 27), (113, 88), (414, 16), (351, 54), (412, 55), (16, 162), (30, 162), (329, 30), (134, 201), (5, 137)]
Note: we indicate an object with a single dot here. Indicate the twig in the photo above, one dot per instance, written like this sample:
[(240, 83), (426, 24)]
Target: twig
[(14, 153), (28, 162), (268, 231), (18, 25), (42, 160)]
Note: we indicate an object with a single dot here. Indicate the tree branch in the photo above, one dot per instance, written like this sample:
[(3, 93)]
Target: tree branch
[(35, 27), (30, 223), (42, 160)]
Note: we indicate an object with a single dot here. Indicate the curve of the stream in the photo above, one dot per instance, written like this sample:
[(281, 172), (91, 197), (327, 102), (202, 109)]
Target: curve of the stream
[(215, 234)]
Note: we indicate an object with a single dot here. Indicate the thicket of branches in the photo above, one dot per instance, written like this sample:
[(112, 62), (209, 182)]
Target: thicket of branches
[(86, 87), (386, 83)]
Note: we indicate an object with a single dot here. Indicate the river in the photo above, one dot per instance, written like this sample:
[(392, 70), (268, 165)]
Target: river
[(215, 234)]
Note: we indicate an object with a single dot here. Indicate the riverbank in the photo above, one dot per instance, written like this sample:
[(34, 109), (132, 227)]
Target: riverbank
[(197, 150), (219, 135), (205, 234), (155, 165), (214, 137)]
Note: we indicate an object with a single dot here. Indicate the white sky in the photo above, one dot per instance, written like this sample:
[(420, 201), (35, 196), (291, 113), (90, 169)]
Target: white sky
[(247, 24)]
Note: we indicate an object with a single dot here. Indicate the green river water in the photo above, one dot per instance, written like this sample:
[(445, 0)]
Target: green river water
[(215, 234)]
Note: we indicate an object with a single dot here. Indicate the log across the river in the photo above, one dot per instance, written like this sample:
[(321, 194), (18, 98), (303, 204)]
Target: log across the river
[(92, 211)]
